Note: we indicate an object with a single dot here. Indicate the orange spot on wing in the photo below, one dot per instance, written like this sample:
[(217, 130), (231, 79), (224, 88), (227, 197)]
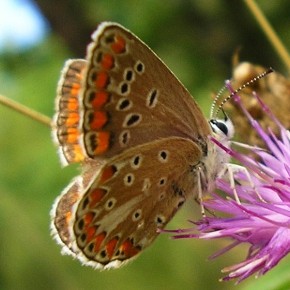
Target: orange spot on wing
[(99, 120), (100, 99), (77, 153), (119, 45), (72, 119), (102, 79), (96, 195), (107, 173), (88, 218), (68, 217), (128, 248), (90, 233), (107, 61), (72, 104), (73, 199), (110, 247), (75, 88), (72, 135), (103, 142), (73, 152), (98, 241)]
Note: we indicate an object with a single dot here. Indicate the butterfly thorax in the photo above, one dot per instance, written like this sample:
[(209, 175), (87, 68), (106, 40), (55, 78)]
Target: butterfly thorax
[(216, 159)]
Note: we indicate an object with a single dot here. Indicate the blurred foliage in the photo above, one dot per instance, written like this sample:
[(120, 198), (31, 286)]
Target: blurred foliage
[(197, 40)]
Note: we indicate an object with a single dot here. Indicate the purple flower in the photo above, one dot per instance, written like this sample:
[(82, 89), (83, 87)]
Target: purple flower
[(257, 209)]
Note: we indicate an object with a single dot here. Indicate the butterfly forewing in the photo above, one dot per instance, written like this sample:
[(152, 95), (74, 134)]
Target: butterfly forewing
[(130, 97), (66, 125)]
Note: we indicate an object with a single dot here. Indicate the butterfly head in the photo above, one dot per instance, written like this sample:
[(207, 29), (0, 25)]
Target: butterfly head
[(223, 129)]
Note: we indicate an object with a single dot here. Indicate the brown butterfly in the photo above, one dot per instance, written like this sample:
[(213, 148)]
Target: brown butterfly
[(143, 144)]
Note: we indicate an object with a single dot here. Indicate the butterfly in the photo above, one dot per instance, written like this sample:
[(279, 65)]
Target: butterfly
[(142, 142)]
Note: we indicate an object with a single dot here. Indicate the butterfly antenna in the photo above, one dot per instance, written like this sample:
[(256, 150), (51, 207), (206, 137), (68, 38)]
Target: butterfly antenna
[(213, 105), (250, 82)]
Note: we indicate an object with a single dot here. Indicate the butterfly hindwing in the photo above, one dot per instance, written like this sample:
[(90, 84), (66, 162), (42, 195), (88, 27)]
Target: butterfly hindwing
[(111, 222), (62, 215)]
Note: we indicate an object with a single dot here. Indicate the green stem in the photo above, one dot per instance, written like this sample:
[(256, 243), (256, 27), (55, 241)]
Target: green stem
[(269, 31), (25, 111)]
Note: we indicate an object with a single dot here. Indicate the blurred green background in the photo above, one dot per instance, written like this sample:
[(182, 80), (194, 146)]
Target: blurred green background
[(196, 39)]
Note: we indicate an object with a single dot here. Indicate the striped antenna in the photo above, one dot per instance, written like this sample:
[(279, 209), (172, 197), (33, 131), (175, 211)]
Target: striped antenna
[(250, 82)]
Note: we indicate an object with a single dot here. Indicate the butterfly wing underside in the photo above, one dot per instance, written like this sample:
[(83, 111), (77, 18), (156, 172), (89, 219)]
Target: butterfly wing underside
[(139, 136)]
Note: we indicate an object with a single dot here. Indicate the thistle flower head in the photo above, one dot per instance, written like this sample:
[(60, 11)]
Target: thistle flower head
[(257, 207)]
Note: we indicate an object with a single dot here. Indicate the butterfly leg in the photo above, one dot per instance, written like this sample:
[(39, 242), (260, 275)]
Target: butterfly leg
[(202, 186), (232, 170), (199, 191)]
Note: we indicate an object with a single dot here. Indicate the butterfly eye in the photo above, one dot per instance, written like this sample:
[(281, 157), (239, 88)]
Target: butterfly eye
[(219, 125), (223, 128)]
